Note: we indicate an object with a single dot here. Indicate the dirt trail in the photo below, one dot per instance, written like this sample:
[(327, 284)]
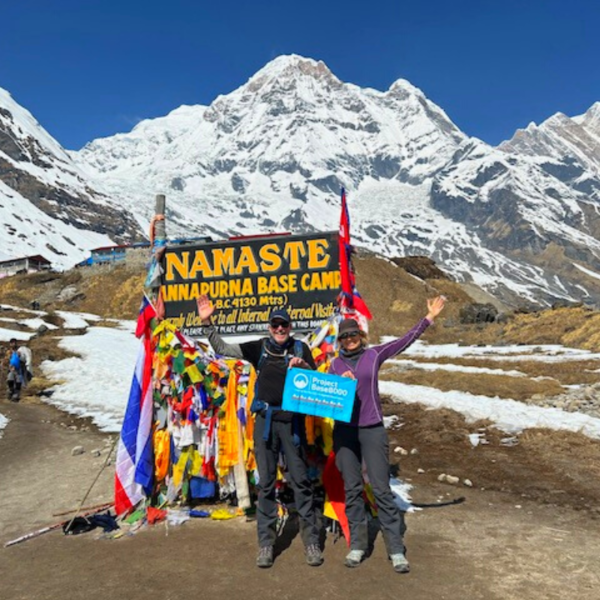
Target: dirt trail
[(487, 548)]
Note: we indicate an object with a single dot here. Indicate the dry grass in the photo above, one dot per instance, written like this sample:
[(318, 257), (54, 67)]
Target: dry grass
[(116, 293), (109, 292), (577, 327), (503, 386), (398, 300)]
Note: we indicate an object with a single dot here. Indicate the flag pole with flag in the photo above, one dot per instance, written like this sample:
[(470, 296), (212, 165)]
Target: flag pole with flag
[(134, 473), (350, 300), (134, 476)]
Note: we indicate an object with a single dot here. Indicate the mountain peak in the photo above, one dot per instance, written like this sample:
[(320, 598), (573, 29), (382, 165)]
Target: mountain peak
[(405, 86), (292, 66)]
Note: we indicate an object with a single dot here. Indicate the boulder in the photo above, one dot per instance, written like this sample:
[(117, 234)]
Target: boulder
[(478, 313)]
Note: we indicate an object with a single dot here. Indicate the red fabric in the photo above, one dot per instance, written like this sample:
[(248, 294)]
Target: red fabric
[(344, 248), (184, 406), (334, 486), (349, 297), (155, 515), (147, 313), (122, 503)]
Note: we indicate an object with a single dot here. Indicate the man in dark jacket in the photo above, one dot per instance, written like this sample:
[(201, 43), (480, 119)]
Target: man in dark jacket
[(275, 429)]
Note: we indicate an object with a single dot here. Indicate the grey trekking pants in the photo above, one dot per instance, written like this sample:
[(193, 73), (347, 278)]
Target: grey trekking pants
[(13, 385), (352, 445), (267, 457)]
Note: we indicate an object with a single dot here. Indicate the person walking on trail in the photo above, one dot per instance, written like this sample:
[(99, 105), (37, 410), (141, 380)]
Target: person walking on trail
[(275, 430), (365, 438), (19, 374)]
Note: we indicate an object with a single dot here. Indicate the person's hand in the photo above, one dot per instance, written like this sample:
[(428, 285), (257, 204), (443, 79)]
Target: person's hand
[(349, 374), (435, 307), (296, 361), (205, 308)]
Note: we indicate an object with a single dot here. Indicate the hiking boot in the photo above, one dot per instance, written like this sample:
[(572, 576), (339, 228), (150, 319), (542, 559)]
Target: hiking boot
[(314, 556), (400, 563), (354, 558), (264, 560)]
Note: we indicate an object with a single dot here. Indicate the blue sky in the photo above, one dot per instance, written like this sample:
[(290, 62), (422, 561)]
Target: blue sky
[(90, 68)]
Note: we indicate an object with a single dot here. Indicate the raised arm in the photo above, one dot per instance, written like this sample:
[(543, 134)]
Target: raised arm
[(219, 345), (385, 351)]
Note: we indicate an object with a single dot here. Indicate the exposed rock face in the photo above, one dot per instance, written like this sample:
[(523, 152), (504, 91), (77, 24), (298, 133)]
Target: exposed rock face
[(421, 267), (478, 313), (47, 205)]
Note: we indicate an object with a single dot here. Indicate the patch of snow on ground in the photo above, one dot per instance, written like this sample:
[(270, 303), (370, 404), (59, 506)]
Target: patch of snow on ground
[(540, 353), (401, 492), (36, 323), (3, 423), (508, 415), (96, 384), (40, 313), (74, 320), (8, 334)]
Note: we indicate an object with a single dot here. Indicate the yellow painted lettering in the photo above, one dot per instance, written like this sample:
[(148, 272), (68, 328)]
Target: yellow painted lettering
[(223, 261), (317, 254), (292, 252), (246, 261), (200, 265), (175, 263), (270, 259)]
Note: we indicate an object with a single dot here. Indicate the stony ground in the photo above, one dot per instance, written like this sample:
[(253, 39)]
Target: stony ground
[(529, 534)]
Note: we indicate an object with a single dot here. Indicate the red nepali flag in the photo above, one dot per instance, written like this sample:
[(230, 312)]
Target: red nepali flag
[(349, 297)]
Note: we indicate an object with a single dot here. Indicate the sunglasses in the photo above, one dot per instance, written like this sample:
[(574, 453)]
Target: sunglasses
[(351, 334), (280, 324)]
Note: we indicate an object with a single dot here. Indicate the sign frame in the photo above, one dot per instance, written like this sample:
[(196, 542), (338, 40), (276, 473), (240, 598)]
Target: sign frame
[(247, 277)]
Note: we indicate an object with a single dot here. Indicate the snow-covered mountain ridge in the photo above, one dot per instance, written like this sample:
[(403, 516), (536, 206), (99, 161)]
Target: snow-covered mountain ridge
[(273, 154), (46, 203)]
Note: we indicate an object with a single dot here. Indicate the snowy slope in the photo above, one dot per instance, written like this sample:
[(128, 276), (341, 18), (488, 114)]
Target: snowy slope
[(46, 204)]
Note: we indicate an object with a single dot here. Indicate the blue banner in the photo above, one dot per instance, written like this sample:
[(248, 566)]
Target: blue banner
[(319, 394)]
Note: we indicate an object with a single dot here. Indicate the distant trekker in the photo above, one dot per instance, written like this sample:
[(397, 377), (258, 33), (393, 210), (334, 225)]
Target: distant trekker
[(20, 369)]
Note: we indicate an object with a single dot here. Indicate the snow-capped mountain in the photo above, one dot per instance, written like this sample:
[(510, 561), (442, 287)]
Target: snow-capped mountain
[(519, 220), (272, 156), (47, 206)]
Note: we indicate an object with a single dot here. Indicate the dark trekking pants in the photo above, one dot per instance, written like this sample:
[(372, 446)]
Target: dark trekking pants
[(13, 386), (267, 457), (352, 445)]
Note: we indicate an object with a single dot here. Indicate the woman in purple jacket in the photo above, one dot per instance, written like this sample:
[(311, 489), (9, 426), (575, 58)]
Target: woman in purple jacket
[(365, 438)]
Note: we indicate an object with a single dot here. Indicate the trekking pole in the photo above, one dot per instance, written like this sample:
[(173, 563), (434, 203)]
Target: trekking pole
[(101, 506), (93, 483), (37, 533)]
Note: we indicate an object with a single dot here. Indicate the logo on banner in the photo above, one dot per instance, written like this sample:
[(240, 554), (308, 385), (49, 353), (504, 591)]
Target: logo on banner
[(300, 381)]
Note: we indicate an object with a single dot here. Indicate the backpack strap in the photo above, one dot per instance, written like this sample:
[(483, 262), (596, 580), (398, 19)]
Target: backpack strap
[(260, 405), (298, 349), (262, 357)]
